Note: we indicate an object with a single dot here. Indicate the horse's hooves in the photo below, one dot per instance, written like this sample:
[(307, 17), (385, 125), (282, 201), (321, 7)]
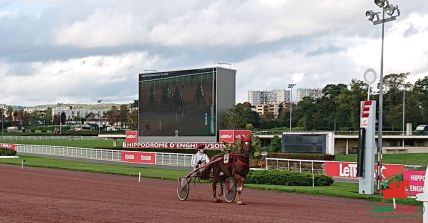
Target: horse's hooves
[(217, 201), (240, 203)]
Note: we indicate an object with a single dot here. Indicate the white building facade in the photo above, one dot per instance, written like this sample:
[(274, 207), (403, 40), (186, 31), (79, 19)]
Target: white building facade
[(308, 92), (269, 97), (70, 114)]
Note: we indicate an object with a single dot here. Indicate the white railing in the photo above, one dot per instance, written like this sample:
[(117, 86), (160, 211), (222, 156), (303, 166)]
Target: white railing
[(295, 165), (166, 159), (23, 138), (174, 159)]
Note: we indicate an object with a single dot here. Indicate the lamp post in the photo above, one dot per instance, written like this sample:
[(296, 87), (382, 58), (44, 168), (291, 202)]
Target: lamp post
[(99, 118), (405, 86), (2, 121), (291, 101), (393, 12)]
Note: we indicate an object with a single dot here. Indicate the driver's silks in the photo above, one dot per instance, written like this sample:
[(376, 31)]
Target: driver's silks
[(226, 158)]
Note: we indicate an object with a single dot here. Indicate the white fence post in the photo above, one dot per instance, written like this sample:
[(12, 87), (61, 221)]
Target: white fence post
[(313, 177)]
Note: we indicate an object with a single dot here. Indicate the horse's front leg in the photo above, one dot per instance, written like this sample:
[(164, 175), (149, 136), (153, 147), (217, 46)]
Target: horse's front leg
[(214, 185), (220, 193), (240, 180)]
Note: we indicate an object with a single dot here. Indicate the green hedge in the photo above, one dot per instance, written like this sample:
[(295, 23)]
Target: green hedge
[(302, 156), (286, 178), (7, 152)]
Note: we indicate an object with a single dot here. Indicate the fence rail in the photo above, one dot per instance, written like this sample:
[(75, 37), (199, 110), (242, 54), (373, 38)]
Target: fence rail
[(166, 159), (295, 165), (23, 138), (280, 132)]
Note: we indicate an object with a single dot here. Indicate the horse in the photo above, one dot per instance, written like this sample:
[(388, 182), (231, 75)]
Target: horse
[(237, 167)]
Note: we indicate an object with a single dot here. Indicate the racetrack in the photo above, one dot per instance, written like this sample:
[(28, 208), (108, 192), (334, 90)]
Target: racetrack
[(50, 195)]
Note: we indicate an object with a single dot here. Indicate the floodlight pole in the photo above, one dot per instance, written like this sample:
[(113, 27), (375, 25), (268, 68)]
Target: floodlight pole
[(291, 101), (99, 118), (2, 121), (383, 4), (380, 124), (404, 110)]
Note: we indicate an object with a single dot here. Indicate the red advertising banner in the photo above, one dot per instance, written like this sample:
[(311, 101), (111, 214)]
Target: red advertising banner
[(8, 146), (349, 169), (227, 136), (231, 136), (172, 145), (416, 180), (131, 136), (138, 157)]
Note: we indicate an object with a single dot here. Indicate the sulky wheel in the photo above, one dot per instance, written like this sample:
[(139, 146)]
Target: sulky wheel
[(182, 188), (229, 190)]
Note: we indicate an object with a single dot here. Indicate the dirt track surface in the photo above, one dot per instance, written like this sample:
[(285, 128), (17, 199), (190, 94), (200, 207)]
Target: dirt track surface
[(49, 195)]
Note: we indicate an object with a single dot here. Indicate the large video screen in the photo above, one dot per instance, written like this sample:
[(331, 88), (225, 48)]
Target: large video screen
[(296, 143), (180, 103)]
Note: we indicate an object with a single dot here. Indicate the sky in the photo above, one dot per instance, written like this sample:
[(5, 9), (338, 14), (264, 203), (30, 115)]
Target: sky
[(75, 51)]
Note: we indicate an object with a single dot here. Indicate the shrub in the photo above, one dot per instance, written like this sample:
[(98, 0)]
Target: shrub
[(7, 152), (286, 178)]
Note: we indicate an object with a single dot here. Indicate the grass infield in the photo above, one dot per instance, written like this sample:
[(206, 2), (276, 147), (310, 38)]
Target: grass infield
[(347, 190), (403, 158)]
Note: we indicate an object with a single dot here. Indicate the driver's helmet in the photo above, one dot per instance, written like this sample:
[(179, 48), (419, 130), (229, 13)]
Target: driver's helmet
[(200, 147)]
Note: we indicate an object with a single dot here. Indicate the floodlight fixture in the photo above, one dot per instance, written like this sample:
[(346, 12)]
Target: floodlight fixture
[(370, 15), (381, 3), (391, 9)]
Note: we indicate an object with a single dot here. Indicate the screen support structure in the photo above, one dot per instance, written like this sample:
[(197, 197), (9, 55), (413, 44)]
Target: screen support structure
[(367, 145)]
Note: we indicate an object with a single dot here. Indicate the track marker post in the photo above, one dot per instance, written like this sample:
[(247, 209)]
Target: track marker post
[(22, 164), (139, 177)]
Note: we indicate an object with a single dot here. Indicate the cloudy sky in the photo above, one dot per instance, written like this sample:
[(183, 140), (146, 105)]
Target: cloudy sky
[(76, 51)]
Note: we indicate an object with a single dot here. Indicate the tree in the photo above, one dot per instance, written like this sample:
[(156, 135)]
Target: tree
[(420, 95), (9, 113), (112, 115), (48, 116), (63, 118), (239, 116), (123, 114), (34, 117), (133, 120), (275, 145), (393, 99), (394, 117)]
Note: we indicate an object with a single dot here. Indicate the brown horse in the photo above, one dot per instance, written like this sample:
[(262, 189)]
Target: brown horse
[(237, 167)]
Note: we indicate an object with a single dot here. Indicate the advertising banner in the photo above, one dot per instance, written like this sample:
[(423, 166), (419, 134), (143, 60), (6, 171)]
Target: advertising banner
[(138, 157), (231, 136), (416, 181), (172, 145), (131, 136), (349, 169), (8, 146)]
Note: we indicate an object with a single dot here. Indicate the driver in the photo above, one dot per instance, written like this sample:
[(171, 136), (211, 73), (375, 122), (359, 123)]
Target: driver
[(199, 158)]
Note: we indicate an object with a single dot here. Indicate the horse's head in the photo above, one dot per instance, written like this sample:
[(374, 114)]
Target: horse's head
[(245, 146)]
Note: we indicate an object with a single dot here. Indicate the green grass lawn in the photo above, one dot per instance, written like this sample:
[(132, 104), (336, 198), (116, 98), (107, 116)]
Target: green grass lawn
[(348, 190), (150, 172), (403, 158), (107, 144)]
